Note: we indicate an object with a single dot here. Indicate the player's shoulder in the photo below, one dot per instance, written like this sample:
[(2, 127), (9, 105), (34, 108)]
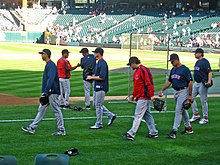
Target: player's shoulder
[(184, 67), (51, 63), (205, 60)]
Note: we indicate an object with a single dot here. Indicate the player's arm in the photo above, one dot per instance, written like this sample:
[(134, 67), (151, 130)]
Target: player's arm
[(166, 85), (190, 90), (209, 73), (50, 80), (102, 74), (94, 78), (149, 83), (210, 77), (74, 67)]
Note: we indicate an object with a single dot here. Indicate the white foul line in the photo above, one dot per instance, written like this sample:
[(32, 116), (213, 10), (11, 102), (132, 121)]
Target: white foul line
[(72, 118)]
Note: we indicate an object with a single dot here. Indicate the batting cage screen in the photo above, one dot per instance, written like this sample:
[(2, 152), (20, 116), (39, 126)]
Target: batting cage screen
[(142, 45)]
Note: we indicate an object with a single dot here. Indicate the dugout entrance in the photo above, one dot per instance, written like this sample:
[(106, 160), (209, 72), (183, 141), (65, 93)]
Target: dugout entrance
[(142, 45)]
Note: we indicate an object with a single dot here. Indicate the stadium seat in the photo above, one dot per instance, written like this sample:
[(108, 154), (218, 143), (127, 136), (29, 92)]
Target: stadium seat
[(52, 159), (8, 160)]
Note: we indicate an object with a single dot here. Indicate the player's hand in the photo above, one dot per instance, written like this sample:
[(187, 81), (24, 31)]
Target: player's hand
[(190, 98), (153, 98), (131, 98), (160, 94), (89, 77), (78, 65)]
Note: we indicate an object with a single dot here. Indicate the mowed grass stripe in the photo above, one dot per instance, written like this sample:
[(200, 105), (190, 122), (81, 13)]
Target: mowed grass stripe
[(107, 142)]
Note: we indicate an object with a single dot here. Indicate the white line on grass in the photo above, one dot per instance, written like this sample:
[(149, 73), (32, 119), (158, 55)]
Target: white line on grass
[(72, 118), (49, 119)]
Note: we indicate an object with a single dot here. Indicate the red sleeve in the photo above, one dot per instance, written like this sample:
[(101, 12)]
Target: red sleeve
[(60, 64), (134, 93), (149, 82)]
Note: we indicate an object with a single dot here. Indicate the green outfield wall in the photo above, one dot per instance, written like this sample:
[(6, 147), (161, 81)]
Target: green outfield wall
[(28, 37)]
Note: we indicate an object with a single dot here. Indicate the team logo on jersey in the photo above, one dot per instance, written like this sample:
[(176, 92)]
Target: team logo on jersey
[(196, 68), (136, 77), (175, 76)]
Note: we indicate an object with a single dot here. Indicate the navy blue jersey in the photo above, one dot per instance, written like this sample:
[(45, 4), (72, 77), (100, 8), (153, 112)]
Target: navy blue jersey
[(101, 70), (50, 82), (88, 61), (180, 77), (201, 70)]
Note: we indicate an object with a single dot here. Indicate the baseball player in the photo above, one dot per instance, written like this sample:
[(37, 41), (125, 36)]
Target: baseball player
[(101, 87), (143, 93), (181, 80), (88, 62), (202, 72), (51, 89), (64, 67)]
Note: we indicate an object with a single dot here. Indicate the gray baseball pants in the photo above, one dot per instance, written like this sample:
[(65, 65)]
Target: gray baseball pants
[(64, 91), (100, 108), (180, 113), (54, 102), (87, 86), (199, 88), (143, 111)]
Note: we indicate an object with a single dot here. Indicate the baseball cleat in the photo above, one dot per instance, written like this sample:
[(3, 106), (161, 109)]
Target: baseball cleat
[(96, 127), (152, 136), (127, 136), (204, 121), (67, 107), (88, 107), (111, 120), (61, 106), (187, 131), (28, 129), (194, 118), (172, 134), (59, 133)]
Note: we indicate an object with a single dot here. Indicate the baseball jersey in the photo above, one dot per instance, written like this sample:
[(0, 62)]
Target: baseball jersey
[(50, 82), (63, 66), (201, 70), (101, 70), (88, 61), (180, 77), (143, 83)]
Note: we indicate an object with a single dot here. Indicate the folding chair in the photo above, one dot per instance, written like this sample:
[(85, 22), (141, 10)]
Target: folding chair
[(8, 160), (52, 159)]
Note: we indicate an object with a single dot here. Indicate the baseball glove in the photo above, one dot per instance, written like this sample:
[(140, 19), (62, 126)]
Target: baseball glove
[(158, 104), (206, 84), (44, 99), (187, 104), (72, 152), (77, 108), (88, 71)]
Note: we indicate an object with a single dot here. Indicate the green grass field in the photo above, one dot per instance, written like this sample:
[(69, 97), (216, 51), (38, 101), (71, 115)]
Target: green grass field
[(106, 146), (21, 74)]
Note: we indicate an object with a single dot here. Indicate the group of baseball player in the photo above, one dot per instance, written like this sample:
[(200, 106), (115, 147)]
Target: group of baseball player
[(56, 91), (182, 82), (56, 87)]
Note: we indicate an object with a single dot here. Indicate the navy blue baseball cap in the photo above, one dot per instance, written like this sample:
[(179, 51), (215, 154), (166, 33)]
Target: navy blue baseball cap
[(46, 51), (199, 50), (133, 60), (174, 57), (84, 50), (65, 51), (98, 50)]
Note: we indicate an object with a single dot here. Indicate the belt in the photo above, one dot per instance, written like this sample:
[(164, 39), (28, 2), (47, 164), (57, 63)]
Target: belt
[(198, 81), (179, 89)]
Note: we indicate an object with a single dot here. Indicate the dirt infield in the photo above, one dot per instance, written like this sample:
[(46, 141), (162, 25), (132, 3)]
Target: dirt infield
[(10, 100), (6, 99)]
